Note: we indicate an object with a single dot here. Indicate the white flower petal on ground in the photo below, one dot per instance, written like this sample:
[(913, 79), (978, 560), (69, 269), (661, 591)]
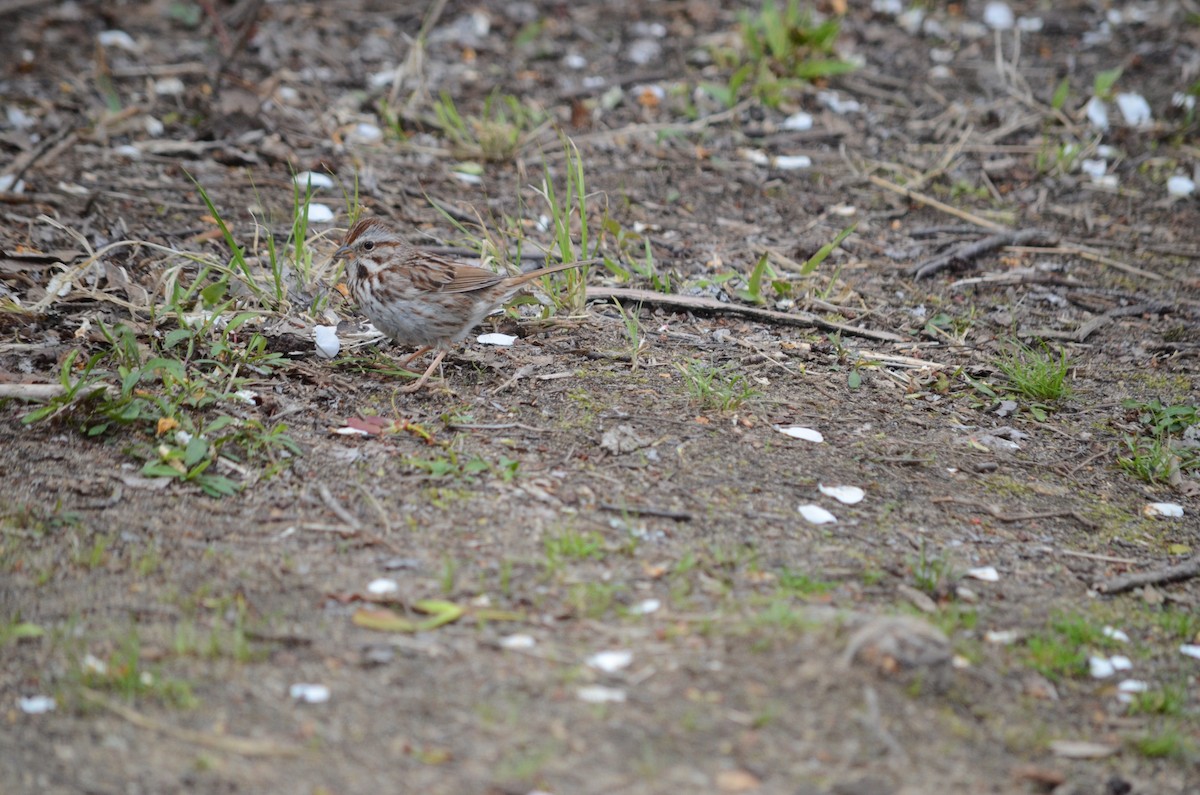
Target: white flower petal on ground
[(984, 573), (1170, 510), (1115, 634), (599, 694), (610, 661), (119, 39), (36, 705), (313, 178), (798, 122), (1179, 185), (495, 338), (1100, 667), (800, 432), (645, 607), (847, 495), (792, 162), (1190, 650), (1120, 662), (1128, 688), (319, 213), (1135, 109), (367, 133), (1094, 168), (815, 514), (382, 586), (309, 693), (517, 642), (327, 341), (1097, 113)]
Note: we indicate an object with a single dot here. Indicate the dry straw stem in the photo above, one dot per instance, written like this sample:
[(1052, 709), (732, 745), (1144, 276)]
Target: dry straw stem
[(245, 746)]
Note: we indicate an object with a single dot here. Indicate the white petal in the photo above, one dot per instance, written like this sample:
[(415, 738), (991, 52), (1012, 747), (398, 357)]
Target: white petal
[(1191, 650), (1168, 509), (118, 38), (985, 573), (382, 586), (599, 694), (610, 661), (798, 121), (517, 642), (319, 213), (1097, 113), (815, 514), (847, 495), (799, 432), (309, 694), (327, 341), (36, 705), (503, 340), (313, 178), (1115, 634), (792, 162), (645, 607), (1134, 108), (1180, 185), (1100, 667), (1120, 663)]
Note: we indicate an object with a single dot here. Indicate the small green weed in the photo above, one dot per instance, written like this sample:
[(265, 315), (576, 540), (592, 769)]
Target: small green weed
[(929, 570), (1036, 374), (803, 584), (1061, 650), (498, 133), (1158, 456), (716, 387), (1167, 743), (124, 673), (1168, 700), (573, 545), (782, 48)]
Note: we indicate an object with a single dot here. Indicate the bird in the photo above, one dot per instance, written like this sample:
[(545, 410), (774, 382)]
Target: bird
[(420, 298)]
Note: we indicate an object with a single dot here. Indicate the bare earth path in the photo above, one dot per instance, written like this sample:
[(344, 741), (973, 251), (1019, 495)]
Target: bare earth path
[(588, 562)]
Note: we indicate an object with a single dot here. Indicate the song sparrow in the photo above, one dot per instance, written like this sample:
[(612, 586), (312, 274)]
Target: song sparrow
[(419, 298)]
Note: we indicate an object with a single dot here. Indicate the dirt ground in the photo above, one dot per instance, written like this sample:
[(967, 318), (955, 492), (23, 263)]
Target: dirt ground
[(579, 564)]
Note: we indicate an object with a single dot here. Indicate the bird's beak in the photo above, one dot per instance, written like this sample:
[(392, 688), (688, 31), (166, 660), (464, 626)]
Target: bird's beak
[(343, 252)]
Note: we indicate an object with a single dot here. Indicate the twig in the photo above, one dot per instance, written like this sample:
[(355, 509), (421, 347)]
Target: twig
[(1089, 555), (374, 503), (970, 251), (929, 201), (1127, 582), (697, 303), (999, 515), (331, 502), (1087, 329), (665, 513), (246, 746), (42, 392), (64, 136)]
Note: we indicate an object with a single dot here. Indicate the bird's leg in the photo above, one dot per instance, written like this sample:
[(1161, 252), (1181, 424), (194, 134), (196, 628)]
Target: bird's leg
[(415, 356), (420, 382)]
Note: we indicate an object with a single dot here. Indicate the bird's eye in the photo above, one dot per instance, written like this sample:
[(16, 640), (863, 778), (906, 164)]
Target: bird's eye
[(369, 245)]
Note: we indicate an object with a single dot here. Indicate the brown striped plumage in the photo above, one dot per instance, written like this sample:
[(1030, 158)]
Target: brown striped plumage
[(418, 298)]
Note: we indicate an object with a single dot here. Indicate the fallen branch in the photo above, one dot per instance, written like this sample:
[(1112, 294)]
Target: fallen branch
[(246, 746), (43, 392), (692, 303), (1127, 582), (967, 252), (1087, 329)]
